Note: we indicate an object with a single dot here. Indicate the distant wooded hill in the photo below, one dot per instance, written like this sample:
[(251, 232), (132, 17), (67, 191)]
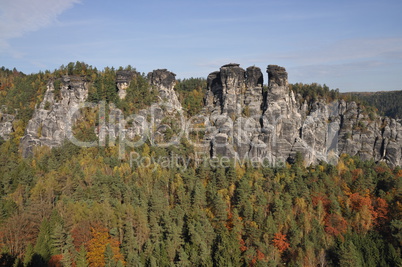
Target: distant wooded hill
[(388, 103)]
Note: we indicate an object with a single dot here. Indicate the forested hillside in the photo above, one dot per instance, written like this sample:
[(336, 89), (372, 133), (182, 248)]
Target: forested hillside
[(77, 206), (85, 206), (387, 103)]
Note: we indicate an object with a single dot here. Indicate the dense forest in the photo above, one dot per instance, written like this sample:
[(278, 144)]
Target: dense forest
[(387, 103), (73, 206)]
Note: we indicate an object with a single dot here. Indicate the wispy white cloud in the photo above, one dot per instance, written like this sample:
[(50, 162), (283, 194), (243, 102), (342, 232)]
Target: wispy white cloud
[(18, 17)]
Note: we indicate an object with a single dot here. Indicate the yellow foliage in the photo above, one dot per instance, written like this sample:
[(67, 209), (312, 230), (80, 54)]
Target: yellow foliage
[(18, 196), (322, 168), (300, 205), (363, 221), (223, 192), (97, 247), (146, 151), (123, 170), (18, 126), (341, 167), (257, 176), (240, 171), (253, 224), (232, 189), (209, 213)]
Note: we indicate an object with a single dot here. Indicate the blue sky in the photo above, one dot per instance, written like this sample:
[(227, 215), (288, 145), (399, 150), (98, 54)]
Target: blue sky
[(352, 45)]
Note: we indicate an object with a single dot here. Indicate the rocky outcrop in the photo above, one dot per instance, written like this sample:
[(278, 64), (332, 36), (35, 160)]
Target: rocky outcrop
[(161, 123), (243, 121), (164, 81), (378, 138), (6, 123), (233, 109), (123, 79), (52, 121), (281, 120)]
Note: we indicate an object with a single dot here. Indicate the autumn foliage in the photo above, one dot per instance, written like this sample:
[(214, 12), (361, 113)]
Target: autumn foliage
[(335, 225), (56, 261), (280, 242), (74, 206), (97, 247)]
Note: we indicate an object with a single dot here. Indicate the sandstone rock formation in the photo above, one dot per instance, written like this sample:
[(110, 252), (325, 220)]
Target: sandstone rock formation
[(52, 121), (233, 109), (247, 123), (241, 120), (165, 81), (123, 79), (6, 123), (161, 123)]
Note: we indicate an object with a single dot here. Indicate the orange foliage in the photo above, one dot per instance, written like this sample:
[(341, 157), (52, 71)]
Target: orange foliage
[(97, 246), (359, 201), (381, 209), (55, 261), (335, 225), (371, 211), (280, 242), (81, 234), (229, 221), (259, 257), (356, 173), (242, 245), (380, 169), (326, 203)]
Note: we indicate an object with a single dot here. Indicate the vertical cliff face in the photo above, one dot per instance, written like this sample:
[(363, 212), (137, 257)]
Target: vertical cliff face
[(164, 81), (6, 123), (378, 138), (253, 95), (233, 107), (281, 119), (52, 120), (245, 122)]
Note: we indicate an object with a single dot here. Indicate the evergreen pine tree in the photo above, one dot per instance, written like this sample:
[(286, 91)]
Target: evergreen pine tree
[(349, 255), (82, 257), (128, 245), (43, 243), (58, 239), (226, 249), (69, 251), (28, 254), (109, 260)]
